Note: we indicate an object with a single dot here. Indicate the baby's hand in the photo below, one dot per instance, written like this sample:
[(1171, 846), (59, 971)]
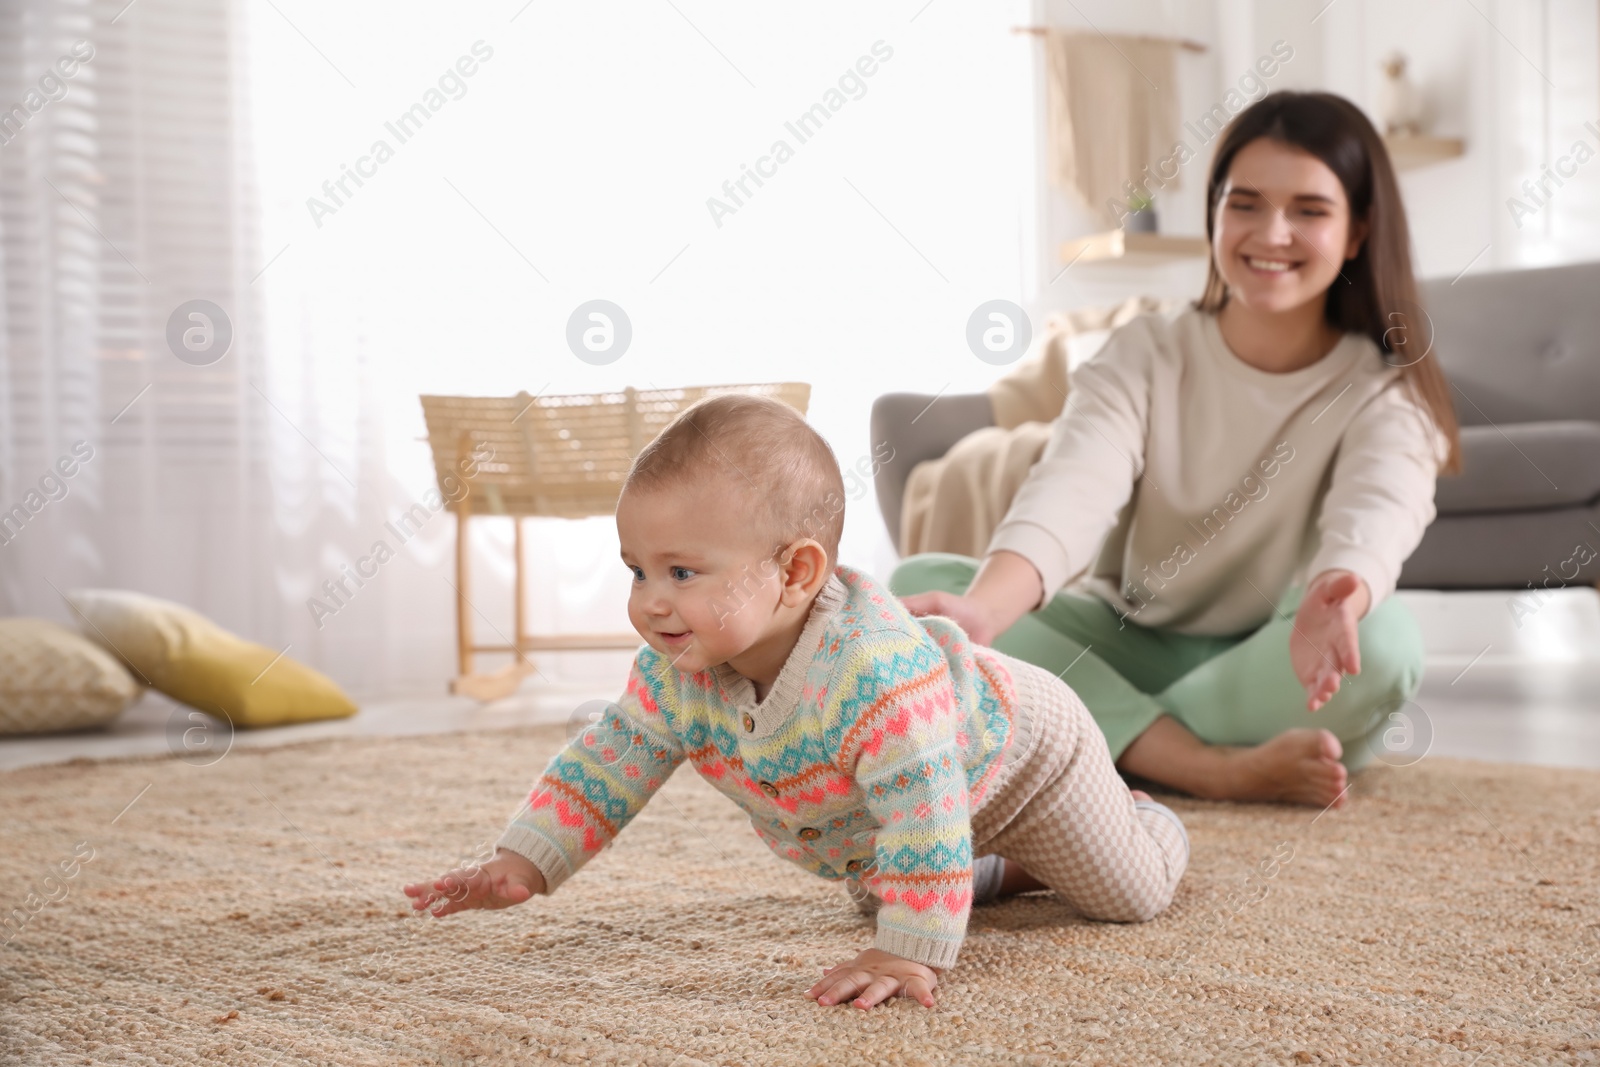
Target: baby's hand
[(876, 976), (505, 880)]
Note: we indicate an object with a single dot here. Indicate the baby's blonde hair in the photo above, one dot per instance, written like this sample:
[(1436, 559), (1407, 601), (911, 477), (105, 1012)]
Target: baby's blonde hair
[(761, 449)]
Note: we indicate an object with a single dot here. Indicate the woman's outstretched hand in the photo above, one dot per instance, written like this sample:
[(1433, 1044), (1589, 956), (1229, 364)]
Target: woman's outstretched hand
[(1323, 645), (969, 614), (873, 977)]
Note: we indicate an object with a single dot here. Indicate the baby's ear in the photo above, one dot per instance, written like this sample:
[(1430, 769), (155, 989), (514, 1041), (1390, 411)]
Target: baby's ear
[(807, 570)]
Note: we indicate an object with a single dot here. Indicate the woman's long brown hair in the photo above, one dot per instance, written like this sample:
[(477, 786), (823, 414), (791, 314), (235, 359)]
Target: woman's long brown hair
[(1376, 293)]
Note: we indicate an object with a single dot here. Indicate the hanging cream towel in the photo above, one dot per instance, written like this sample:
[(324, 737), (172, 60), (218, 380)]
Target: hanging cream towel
[(1113, 110)]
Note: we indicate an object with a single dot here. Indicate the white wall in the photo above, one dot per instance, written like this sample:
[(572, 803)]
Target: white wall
[(592, 140), (1517, 83)]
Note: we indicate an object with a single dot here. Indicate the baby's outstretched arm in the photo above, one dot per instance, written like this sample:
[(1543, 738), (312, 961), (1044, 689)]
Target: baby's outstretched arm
[(505, 880)]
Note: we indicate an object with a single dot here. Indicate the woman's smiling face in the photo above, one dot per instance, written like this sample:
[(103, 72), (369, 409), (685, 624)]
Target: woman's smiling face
[(1282, 229)]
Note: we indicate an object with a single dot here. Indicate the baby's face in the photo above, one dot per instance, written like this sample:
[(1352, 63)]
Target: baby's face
[(701, 593)]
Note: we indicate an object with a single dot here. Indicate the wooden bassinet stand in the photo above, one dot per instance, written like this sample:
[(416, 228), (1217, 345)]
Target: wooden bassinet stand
[(552, 457)]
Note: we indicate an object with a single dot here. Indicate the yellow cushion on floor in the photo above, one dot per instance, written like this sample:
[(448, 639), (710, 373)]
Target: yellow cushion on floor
[(192, 659), (52, 679)]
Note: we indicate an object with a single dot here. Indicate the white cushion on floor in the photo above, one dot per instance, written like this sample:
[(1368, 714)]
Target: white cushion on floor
[(54, 679)]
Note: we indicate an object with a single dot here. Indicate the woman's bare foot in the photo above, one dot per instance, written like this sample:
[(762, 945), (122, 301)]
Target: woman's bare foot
[(1300, 766)]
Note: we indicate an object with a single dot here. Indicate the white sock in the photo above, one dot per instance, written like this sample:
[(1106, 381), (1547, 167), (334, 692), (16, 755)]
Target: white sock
[(987, 871), (1151, 805)]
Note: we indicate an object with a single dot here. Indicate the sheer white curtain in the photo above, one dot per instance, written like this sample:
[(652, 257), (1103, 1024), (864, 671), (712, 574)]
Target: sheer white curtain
[(49, 388), (533, 157), (1550, 165), (124, 194)]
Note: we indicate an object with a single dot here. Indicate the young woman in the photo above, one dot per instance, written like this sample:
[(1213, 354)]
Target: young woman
[(1252, 471)]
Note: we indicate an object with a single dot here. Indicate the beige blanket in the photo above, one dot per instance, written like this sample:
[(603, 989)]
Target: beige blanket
[(953, 504)]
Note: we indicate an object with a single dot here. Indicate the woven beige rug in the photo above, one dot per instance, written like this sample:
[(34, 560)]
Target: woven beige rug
[(249, 912)]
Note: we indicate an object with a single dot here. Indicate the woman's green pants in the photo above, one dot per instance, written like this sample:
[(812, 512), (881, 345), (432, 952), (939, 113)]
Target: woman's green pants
[(1238, 690)]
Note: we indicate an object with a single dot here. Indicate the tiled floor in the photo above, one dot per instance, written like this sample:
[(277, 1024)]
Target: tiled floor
[(157, 725), (1510, 686), (1493, 691)]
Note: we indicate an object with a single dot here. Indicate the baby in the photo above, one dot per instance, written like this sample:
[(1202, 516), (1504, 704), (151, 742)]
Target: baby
[(866, 745)]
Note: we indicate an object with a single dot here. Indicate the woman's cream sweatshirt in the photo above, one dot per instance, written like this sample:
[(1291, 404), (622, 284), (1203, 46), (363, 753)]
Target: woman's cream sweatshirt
[(1210, 487)]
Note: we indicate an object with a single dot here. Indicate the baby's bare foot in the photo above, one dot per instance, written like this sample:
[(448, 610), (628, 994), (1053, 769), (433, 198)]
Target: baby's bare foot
[(1300, 766)]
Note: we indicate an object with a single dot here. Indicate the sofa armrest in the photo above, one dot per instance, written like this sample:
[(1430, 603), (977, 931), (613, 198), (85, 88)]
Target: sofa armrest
[(918, 427)]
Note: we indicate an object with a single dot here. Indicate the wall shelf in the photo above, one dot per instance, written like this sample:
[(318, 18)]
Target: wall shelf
[(1411, 152), (1134, 249)]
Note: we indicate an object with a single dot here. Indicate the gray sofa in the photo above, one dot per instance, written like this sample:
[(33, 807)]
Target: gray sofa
[(1522, 351)]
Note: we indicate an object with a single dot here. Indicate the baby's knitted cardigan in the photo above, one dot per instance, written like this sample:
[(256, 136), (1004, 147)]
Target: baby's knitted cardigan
[(881, 737)]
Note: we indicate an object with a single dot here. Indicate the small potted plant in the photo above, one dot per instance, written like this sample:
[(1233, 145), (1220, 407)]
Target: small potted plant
[(1141, 217)]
